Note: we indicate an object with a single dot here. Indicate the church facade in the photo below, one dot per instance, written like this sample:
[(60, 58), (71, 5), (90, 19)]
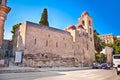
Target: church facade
[(47, 46)]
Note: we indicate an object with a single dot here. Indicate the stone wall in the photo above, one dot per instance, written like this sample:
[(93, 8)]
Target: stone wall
[(46, 39), (47, 46), (47, 60)]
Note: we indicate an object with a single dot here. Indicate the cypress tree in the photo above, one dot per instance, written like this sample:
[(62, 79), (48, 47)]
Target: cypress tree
[(44, 18)]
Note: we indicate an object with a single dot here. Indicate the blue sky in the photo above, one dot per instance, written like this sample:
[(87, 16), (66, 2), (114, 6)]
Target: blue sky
[(62, 13)]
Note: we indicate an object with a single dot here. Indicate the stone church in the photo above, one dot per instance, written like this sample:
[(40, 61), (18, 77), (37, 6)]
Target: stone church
[(44, 46)]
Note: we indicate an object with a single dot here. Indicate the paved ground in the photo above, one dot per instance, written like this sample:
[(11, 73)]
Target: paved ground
[(91, 74), (29, 69)]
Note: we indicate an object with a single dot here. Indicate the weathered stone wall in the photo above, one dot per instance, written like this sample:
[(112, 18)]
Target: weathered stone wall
[(47, 46), (88, 37), (46, 39), (47, 60)]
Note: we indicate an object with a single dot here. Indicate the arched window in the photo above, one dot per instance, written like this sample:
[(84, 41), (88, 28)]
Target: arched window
[(83, 22), (90, 31), (89, 23)]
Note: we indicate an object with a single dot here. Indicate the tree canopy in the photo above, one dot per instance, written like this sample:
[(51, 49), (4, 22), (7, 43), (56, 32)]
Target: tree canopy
[(44, 18), (115, 46), (99, 45), (101, 58), (13, 29)]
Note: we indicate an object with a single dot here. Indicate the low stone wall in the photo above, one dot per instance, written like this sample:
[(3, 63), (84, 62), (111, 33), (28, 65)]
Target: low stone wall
[(47, 60)]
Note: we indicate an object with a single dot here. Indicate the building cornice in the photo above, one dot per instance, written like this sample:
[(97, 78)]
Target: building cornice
[(5, 9)]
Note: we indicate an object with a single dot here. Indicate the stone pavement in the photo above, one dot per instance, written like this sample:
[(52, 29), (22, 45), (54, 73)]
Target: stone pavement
[(17, 69)]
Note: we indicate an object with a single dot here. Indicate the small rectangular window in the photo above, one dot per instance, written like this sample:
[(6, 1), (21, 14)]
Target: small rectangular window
[(89, 22), (90, 31), (46, 43), (116, 57), (72, 46), (56, 44), (79, 35), (49, 35), (35, 41), (83, 51), (87, 47), (83, 34), (65, 45), (90, 39), (78, 47)]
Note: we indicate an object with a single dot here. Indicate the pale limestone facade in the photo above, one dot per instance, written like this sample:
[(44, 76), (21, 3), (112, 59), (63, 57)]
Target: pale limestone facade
[(47, 46), (118, 37), (3, 13), (108, 51), (107, 38)]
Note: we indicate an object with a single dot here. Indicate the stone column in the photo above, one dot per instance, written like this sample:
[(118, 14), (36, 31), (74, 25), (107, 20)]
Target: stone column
[(4, 2), (1, 31), (3, 13)]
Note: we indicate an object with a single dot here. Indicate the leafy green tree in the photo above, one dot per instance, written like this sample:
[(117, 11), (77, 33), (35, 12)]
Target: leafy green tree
[(115, 46), (101, 58), (97, 57), (13, 29), (99, 45), (44, 18)]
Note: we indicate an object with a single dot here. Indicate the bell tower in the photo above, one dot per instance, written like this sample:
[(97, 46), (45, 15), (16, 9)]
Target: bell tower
[(4, 10)]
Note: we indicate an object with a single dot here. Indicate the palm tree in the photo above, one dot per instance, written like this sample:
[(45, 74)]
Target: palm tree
[(98, 43)]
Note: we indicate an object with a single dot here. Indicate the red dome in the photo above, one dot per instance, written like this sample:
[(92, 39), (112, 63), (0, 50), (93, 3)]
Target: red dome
[(85, 13), (79, 26), (71, 27)]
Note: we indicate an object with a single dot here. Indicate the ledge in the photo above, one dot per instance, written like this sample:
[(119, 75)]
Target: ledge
[(4, 8)]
